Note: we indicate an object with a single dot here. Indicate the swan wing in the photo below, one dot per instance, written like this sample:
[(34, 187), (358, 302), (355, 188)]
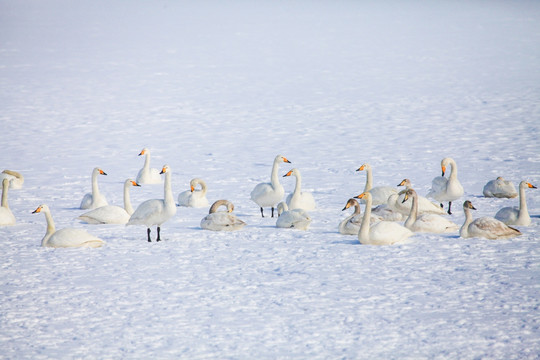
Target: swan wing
[(71, 237), (264, 194), (6, 217), (388, 233), (222, 221), (491, 228), (507, 215), (109, 214)]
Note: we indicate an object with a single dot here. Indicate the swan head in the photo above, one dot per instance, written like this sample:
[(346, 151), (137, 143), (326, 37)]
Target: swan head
[(144, 152), (408, 193), (350, 202), (444, 164), (526, 184), (100, 171), (40, 208), (405, 182), (363, 167), (165, 169), (282, 159), (468, 205), (133, 183), (365, 195), (294, 172)]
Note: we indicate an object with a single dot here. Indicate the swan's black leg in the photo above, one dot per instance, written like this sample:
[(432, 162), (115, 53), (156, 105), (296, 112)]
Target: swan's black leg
[(158, 230), (272, 211), (148, 234), (449, 207), (442, 206), (262, 213)]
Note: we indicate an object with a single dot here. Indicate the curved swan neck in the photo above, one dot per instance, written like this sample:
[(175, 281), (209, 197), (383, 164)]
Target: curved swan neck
[(127, 199), (413, 215), (5, 186), (216, 205), (50, 227), (453, 170), (203, 185), (464, 231), (363, 234)]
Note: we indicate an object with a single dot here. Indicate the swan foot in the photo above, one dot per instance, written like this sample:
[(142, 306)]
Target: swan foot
[(158, 230), (262, 213), (272, 211), (449, 207), (148, 234)]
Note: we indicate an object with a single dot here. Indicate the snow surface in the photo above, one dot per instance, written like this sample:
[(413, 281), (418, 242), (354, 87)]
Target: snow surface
[(216, 89)]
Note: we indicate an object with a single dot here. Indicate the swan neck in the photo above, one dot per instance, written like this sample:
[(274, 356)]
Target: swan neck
[(369, 179), (274, 178), (50, 228), (203, 187), (413, 214), (464, 231), (95, 188), (357, 209), (453, 170), (147, 160), (298, 185), (127, 199), (167, 190), (523, 211), (215, 206), (363, 234), (5, 186)]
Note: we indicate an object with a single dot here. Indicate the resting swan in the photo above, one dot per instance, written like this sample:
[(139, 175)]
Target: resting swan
[(351, 224), (484, 227), (500, 188), (269, 194), (194, 197), (295, 218), (148, 175), (514, 215), (404, 207), (16, 180), (67, 237), (443, 189), (156, 211), (379, 194), (221, 220), (431, 223), (381, 233), (94, 199), (6, 216), (112, 214), (299, 199)]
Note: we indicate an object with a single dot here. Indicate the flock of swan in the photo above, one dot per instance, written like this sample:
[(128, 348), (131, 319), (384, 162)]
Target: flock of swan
[(380, 224)]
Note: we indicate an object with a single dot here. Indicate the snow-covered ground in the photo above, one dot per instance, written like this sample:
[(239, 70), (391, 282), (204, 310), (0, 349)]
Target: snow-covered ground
[(216, 89)]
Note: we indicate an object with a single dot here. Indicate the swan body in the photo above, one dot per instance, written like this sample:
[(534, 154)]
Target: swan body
[(446, 189), (500, 188), (382, 232), (156, 211), (67, 237), (517, 215), (112, 214), (431, 223), (269, 194), (94, 199), (404, 207), (222, 220), (484, 227), (351, 224), (386, 212), (379, 194), (148, 175), (296, 218), (6, 216), (299, 199), (16, 180), (194, 197)]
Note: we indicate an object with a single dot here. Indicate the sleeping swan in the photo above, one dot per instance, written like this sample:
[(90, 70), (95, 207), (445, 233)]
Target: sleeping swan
[(299, 199), (221, 220), (514, 215), (112, 214), (6, 216), (148, 175), (67, 237), (94, 199), (296, 218), (16, 180), (484, 227), (194, 197), (269, 194), (500, 188)]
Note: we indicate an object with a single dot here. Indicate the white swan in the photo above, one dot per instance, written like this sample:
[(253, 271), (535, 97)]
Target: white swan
[(431, 223), (299, 199), (500, 188), (379, 194), (67, 237), (269, 194), (6, 216), (296, 218), (148, 175), (351, 224), (382, 232), (112, 214), (514, 215), (16, 180), (443, 189), (221, 220), (424, 205), (94, 199), (194, 197), (484, 227), (156, 211)]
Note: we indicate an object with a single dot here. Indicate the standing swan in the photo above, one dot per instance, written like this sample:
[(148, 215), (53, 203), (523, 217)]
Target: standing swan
[(443, 189), (514, 215), (6, 216), (16, 180), (67, 237), (431, 223), (381, 233), (112, 214), (500, 188), (148, 175), (269, 194), (485, 227), (194, 197), (379, 194), (222, 220), (299, 199), (156, 211), (296, 218), (94, 199)]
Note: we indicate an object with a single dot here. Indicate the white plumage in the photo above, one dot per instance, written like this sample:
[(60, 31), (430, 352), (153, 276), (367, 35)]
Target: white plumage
[(94, 199), (517, 215), (431, 223), (443, 189), (295, 218), (147, 175), (351, 224), (6, 216), (484, 227), (194, 197), (299, 199), (16, 180), (222, 220), (269, 194), (500, 188), (379, 194)]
